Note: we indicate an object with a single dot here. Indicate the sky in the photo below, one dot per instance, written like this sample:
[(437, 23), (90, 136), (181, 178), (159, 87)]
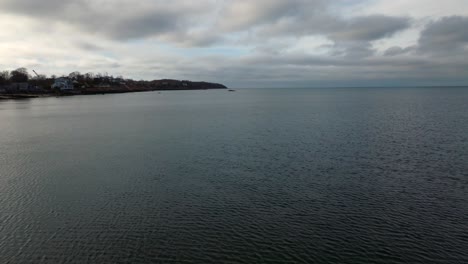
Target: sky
[(243, 43)]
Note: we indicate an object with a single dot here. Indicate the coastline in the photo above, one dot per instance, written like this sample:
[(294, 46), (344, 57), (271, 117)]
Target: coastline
[(25, 96), (21, 96)]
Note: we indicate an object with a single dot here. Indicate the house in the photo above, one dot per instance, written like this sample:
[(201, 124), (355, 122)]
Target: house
[(36, 89), (64, 84), (19, 87), (6, 88), (103, 85), (15, 87)]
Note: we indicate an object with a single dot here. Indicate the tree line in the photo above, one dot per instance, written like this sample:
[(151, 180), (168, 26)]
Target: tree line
[(89, 81), (18, 75), (21, 75)]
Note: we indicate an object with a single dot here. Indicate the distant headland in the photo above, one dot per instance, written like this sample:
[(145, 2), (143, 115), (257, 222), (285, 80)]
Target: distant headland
[(19, 84)]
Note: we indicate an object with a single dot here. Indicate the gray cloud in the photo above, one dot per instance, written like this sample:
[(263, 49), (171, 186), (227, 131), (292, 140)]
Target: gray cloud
[(369, 28), (240, 41), (447, 35), (88, 46), (142, 26), (361, 28), (245, 14), (396, 50), (120, 19), (352, 36), (37, 8)]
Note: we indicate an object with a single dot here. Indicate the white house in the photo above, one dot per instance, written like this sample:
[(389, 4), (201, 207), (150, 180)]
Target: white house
[(63, 83)]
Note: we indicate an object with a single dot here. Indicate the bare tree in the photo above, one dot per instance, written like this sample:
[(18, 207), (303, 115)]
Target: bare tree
[(4, 77), (74, 75), (19, 75)]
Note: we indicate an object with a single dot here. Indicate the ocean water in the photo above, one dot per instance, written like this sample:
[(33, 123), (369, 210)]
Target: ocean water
[(356, 175)]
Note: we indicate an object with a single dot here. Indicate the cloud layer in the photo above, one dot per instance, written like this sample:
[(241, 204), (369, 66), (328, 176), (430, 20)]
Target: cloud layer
[(242, 42)]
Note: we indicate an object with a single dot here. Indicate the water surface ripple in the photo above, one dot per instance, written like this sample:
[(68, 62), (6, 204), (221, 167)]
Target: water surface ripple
[(256, 176)]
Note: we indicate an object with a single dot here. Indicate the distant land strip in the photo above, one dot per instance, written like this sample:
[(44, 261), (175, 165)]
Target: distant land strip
[(19, 84)]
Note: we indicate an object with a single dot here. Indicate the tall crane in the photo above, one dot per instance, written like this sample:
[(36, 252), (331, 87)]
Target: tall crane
[(36, 74)]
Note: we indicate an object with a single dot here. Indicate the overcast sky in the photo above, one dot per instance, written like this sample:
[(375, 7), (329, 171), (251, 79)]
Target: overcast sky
[(243, 43)]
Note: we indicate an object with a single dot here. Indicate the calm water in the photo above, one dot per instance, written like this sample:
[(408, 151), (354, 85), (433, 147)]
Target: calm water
[(255, 176)]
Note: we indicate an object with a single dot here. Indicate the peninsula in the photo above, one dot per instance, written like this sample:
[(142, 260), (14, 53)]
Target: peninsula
[(19, 84)]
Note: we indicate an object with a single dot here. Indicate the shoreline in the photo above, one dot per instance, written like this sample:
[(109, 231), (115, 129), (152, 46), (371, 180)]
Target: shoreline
[(25, 96)]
